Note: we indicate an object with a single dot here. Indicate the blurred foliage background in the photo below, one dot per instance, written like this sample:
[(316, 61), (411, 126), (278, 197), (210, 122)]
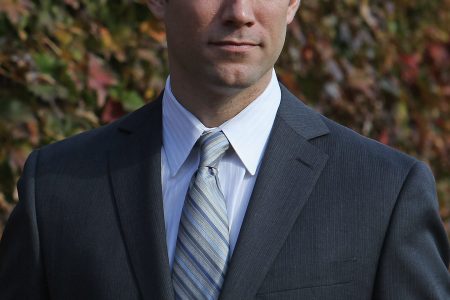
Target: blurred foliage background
[(381, 67)]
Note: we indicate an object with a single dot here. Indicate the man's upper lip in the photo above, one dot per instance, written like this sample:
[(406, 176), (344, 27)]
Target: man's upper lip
[(234, 43)]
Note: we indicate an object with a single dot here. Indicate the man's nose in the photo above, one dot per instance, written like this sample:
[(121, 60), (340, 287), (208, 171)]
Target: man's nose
[(238, 12)]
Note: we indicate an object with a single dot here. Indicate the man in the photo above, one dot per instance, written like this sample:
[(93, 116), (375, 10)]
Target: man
[(226, 186)]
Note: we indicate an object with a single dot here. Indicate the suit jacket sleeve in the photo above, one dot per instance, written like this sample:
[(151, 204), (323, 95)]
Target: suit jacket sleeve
[(21, 268), (415, 255)]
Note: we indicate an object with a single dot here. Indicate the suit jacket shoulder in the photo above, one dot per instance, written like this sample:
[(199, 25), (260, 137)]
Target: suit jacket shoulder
[(92, 144), (370, 215)]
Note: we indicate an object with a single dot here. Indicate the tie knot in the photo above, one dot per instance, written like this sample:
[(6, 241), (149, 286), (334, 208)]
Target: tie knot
[(213, 145)]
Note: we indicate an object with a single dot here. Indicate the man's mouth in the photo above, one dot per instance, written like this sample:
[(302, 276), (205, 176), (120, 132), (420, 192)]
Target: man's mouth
[(233, 45)]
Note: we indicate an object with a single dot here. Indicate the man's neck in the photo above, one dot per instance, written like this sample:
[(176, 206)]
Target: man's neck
[(215, 106)]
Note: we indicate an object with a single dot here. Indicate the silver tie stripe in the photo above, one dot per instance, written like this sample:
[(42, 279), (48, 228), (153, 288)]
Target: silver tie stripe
[(202, 250)]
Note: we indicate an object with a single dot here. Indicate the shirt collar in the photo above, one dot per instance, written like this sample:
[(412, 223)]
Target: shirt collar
[(247, 132)]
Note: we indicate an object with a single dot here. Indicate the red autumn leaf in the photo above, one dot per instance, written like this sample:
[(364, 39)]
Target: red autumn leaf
[(308, 53), (112, 111), (99, 78), (410, 67), (384, 137), (438, 54)]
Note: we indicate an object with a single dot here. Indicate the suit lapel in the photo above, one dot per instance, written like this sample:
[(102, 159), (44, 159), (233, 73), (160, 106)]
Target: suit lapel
[(288, 174), (135, 170)]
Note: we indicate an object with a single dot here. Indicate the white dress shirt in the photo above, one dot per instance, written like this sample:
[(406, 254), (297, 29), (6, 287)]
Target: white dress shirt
[(247, 133)]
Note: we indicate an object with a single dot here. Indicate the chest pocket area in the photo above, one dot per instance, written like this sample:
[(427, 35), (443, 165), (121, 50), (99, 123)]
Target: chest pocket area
[(310, 275)]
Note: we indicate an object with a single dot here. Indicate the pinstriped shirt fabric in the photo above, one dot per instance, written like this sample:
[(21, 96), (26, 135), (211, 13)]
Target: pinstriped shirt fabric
[(247, 134), (202, 250)]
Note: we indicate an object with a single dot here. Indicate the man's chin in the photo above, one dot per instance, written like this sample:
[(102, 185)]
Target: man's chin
[(237, 79)]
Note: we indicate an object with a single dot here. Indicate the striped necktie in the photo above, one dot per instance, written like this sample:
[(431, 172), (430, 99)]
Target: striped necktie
[(202, 250)]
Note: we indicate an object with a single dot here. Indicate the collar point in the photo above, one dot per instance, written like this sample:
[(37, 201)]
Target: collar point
[(251, 171)]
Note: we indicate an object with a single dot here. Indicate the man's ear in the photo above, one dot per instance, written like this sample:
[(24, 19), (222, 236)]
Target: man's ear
[(157, 7), (292, 10)]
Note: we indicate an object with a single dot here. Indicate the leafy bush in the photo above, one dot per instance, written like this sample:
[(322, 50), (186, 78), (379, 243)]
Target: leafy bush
[(380, 67)]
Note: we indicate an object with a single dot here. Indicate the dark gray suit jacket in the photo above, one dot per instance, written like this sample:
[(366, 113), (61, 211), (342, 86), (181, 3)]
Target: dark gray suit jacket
[(333, 215)]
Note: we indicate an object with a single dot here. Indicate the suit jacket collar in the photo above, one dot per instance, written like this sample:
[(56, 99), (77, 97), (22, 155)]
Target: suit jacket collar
[(302, 119), (289, 171)]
